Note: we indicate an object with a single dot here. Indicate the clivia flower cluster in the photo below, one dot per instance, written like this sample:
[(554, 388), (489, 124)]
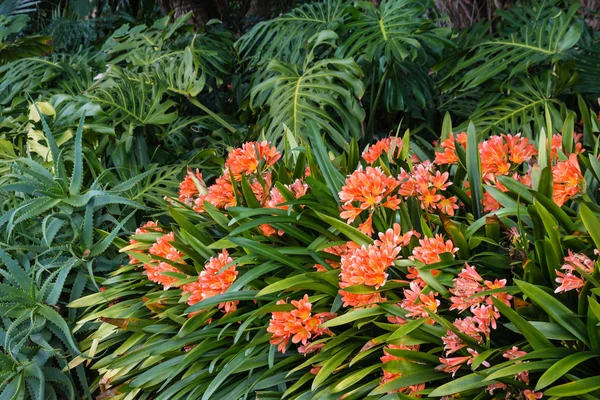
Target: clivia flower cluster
[(298, 325), (511, 156), (372, 190), (500, 156), (575, 265), (372, 195), (367, 265), (211, 280), (251, 160), (368, 190), (427, 184)]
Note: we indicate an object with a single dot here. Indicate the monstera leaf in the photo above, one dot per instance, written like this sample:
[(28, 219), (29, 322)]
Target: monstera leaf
[(540, 42), (396, 30), (524, 108), (325, 93), (126, 44), (395, 45), (285, 38), (133, 98)]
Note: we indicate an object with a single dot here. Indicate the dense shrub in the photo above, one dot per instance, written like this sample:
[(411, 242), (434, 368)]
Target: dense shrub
[(470, 272)]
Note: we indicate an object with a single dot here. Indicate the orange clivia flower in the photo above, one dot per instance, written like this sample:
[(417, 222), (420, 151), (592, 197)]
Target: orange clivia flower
[(494, 156), (416, 302), (519, 148), (191, 187), (366, 190), (211, 283), (531, 395), (568, 180), (448, 154), (500, 153), (427, 184), (247, 159), (557, 144), (298, 325), (373, 152), (340, 250), (367, 265), (148, 227), (429, 249), (298, 189), (163, 249), (221, 194), (574, 263)]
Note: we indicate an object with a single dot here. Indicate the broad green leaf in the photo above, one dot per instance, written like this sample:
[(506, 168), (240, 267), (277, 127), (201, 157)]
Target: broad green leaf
[(352, 233), (517, 368), (354, 377), (591, 223), (331, 364), (254, 247), (462, 384), (406, 329), (285, 284)]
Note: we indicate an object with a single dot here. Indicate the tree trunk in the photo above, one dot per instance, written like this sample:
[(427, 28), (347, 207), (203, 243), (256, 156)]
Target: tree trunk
[(464, 13), (204, 10), (590, 11)]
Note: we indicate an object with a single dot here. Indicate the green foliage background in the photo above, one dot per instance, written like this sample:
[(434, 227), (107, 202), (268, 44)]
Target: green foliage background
[(128, 101)]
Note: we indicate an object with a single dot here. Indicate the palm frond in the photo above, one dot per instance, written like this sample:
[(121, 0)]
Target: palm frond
[(12, 7), (25, 75), (530, 13), (588, 65)]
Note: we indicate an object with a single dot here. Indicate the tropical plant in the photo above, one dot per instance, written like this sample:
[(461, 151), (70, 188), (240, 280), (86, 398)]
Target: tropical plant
[(531, 64), (324, 93), (36, 341), (54, 244), (310, 262), (454, 296), (145, 94)]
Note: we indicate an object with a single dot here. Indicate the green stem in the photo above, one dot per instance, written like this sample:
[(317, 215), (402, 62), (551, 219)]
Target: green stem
[(371, 124), (212, 114)]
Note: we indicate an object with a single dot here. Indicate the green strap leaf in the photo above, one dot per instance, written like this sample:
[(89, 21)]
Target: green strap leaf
[(352, 233), (353, 315), (581, 386), (560, 368), (474, 171), (534, 337), (555, 309), (591, 223), (77, 176)]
